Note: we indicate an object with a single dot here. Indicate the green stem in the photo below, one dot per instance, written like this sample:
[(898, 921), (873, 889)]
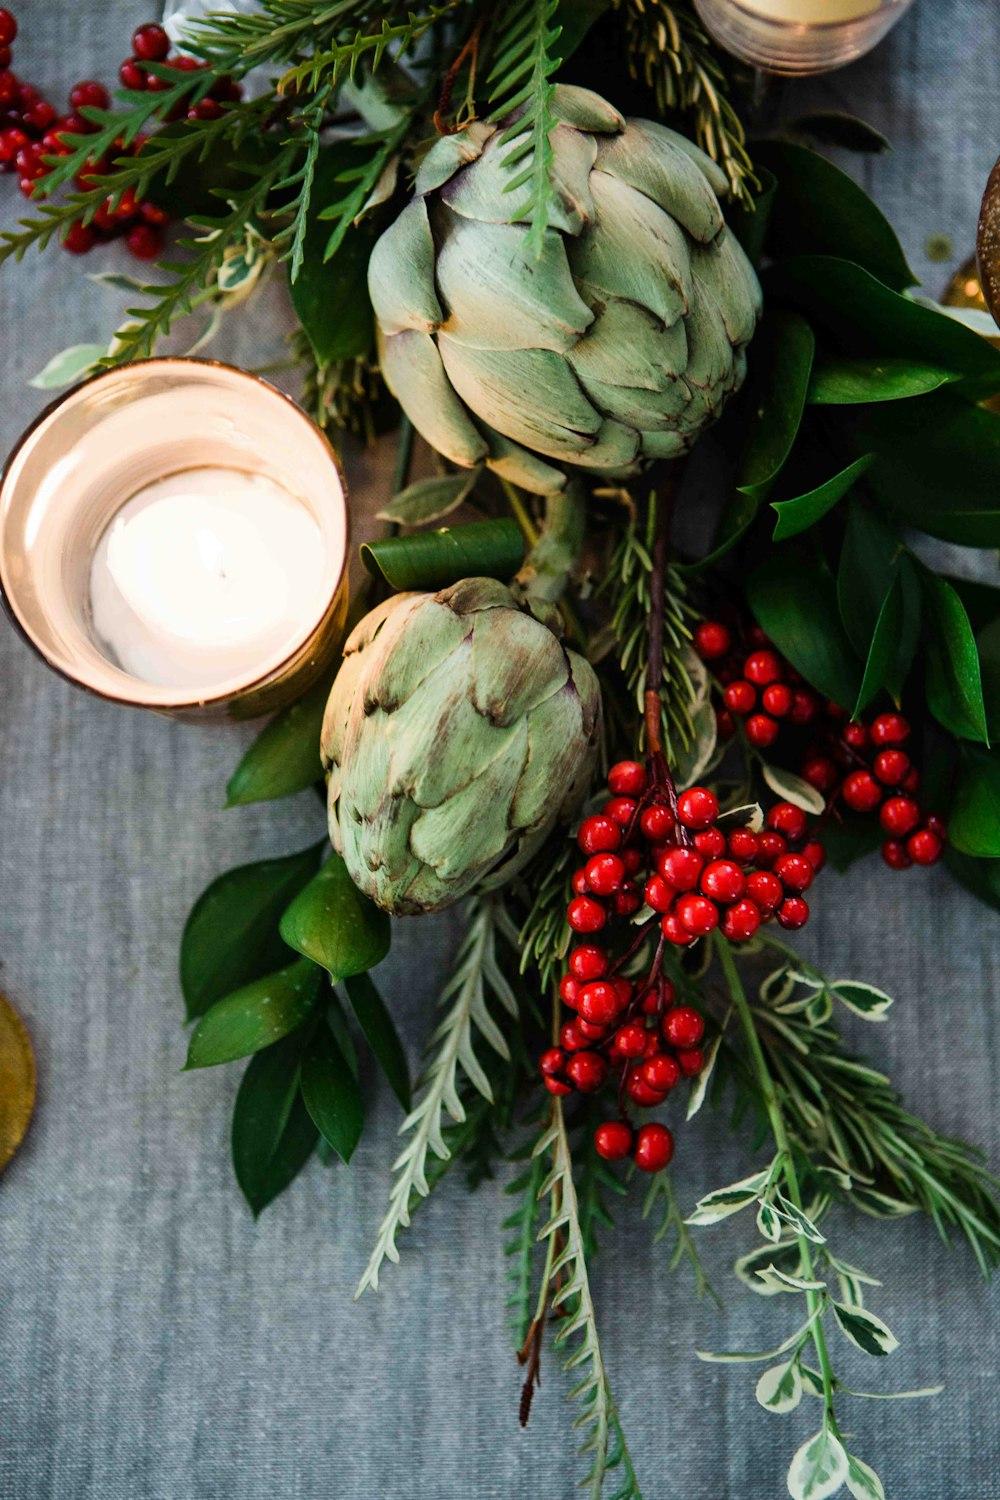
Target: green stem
[(777, 1122), (521, 515), (404, 455)]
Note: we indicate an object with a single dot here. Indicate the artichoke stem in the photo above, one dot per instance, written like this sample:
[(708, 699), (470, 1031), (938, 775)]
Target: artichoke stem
[(554, 552)]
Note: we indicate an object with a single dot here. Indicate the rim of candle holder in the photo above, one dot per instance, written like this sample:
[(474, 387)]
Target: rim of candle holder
[(187, 704)]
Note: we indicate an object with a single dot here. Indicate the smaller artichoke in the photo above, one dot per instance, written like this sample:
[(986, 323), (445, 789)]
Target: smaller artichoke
[(459, 729)]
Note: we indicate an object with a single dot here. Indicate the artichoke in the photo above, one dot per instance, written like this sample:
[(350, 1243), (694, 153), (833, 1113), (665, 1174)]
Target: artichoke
[(617, 341), (458, 730)]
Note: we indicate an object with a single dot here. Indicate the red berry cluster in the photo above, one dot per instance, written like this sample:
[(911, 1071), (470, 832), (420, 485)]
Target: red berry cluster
[(863, 766)]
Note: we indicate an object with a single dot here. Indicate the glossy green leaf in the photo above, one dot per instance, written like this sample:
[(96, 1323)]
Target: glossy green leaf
[(331, 297), (750, 224), (856, 382), (434, 559), (865, 1330), (284, 758), (231, 935), (430, 499), (988, 647), (819, 210), (798, 514), (884, 647), (974, 819), (272, 1134), (953, 681), (846, 843), (380, 1034), (331, 1094), (879, 600), (835, 127), (794, 598), (333, 924), (255, 1016), (779, 380), (981, 877)]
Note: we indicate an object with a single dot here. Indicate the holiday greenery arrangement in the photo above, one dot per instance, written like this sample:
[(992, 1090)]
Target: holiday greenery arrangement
[(629, 757)]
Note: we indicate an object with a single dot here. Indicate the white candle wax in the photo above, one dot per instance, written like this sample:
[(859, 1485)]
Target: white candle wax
[(206, 575), (812, 12)]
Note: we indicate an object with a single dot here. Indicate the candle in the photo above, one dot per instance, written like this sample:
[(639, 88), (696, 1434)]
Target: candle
[(799, 36)]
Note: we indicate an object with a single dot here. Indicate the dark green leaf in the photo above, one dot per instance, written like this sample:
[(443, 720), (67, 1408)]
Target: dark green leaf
[(750, 225), (333, 924), (738, 515), (284, 758), (795, 600), (834, 127), (855, 382), (255, 1016), (331, 297), (331, 1094), (433, 559), (819, 210), (231, 935), (980, 876), (988, 647), (845, 843), (380, 1034), (954, 685), (974, 819), (574, 19), (884, 646), (779, 379), (872, 561), (794, 516), (273, 1136), (430, 499)]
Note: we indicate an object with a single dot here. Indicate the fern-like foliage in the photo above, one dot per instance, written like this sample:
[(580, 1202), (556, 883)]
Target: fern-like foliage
[(341, 60), (545, 934), (273, 32), (605, 1442), (523, 62), (476, 974), (520, 1246), (661, 1203)]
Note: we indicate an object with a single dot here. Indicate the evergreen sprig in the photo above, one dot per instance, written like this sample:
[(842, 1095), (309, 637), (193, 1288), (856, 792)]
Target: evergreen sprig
[(329, 67), (519, 81)]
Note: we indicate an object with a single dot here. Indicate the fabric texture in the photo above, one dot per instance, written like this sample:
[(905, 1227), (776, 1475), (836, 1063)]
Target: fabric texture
[(156, 1344)]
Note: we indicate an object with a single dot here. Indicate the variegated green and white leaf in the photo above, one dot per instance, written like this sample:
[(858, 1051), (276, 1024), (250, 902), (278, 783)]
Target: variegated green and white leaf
[(782, 1282), (880, 1205), (819, 1468), (812, 1381), (787, 1255), (799, 1221), (704, 1078), (862, 1481), (728, 1200), (768, 1222), (792, 788), (864, 1329), (739, 1358), (864, 1000), (780, 1388), (68, 366)]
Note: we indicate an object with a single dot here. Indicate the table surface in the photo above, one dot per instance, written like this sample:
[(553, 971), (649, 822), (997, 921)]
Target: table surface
[(157, 1344)]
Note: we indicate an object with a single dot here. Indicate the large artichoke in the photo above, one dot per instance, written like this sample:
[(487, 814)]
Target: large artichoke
[(458, 730), (619, 341)]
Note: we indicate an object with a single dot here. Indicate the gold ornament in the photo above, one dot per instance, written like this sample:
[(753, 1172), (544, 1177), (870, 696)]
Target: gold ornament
[(17, 1081)]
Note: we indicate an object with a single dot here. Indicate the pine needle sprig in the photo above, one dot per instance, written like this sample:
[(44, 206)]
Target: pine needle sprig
[(523, 62), (360, 181), (332, 65), (545, 933), (476, 973), (661, 1203), (521, 1245), (274, 32)]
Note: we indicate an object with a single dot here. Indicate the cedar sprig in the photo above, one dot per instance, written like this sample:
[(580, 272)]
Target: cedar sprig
[(523, 57), (330, 66), (520, 1247)]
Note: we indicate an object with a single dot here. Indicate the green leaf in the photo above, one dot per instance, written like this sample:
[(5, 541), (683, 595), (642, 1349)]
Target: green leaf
[(779, 380), (988, 648), (800, 1222), (430, 499), (792, 788), (780, 1388), (819, 210), (333, 924), (884, 648), (864, 1329), (862, 1481), (864, 999), (835, 127), (434, 559), (380, 1034), (768, 1223), (331, 297), (272, 1135), (855, 382), (794, 599), (68, 366), (879, 600), (728, 1200), (819, 1468), (231, 935), (331, 1094), (974, 819), (981, 877), (284, 758), (954, 685), (794, 516), (846, 843), (255, 1016), (574, 18)]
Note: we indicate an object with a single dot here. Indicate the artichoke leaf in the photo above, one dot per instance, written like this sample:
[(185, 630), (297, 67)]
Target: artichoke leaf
[(518, 466), (367, 761), (627, 345), (615, 447), (585, 110), (498, 296), (710, 170), (401, 273), (472, 825), (710, 362), (634, 250), (449, 154), (529, 395), (488, 191), (653, 165), (648, 411), (662, 444), (516, 665), (414, 373), (472, 595), (399, 665), (725, 267), (555, 730)]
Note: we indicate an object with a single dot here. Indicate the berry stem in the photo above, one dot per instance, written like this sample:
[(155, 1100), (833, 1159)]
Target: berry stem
[(776, 1119), (659, 771)]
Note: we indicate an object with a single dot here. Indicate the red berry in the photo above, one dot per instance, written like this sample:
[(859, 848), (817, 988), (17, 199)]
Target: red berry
[(39, 115), (711, 640), (763, 668), (571, 1037), (724, 723), (578, 880), (588, 1071), (890, 729), (78, 239), (631, 1039), (144, 241), (937, 825), (924, 847), (588, 962), (741, 921), (556, 1086), (899, 816), (772, 846), (793, 913), (6, 56), (786, 818), (591, 1030), (584, 914), (613, 1140), (795, 872), (710, 842), (762, 730), (659, 894), (627, 778), (150, 42), (691, 1061), (740, 697), (892, 766), (28, 162), (657, 823), (599, 835), (632, 860), (605, 873), (681, 868), (723, 881), (12, 140), (821, 772), (623, 989), (815, 854), (743, 845), (698, 914), (683, 1026), (661, 1073), (153, 214), (861, 791), (205, 109), (895, 855), (640, 1092), (805, 706), (777, 700), (855, 735), (10, 90), (88, 93), (627, 900), (654, 1146), (911, 781), (132, 75), (569, 990), (765, 890), (599, 1003), (674, 930), (697, 807), (8, 28), (620, 810), (551, 1061)]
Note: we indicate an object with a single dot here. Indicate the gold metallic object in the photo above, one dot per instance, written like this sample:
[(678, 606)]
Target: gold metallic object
[(100, 444), (966, 290), (988, 243), (17, 1081)]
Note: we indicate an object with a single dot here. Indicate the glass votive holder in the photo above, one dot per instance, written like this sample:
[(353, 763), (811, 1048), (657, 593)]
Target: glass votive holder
[(173, 536), (799, 36)]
